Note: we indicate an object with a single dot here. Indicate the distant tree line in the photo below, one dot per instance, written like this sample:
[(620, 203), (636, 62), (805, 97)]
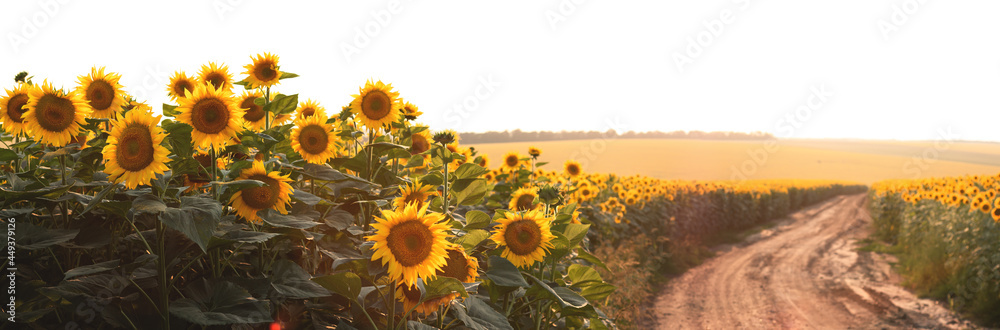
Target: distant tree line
[(521, 136)]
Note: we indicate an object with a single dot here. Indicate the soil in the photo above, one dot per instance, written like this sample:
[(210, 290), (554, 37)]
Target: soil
[(804, 273)]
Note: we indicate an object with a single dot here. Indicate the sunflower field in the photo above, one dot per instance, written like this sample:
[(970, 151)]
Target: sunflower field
[(242, 205), (946, 232)]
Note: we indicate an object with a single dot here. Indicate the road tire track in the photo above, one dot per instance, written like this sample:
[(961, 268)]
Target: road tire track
[(805, 273)]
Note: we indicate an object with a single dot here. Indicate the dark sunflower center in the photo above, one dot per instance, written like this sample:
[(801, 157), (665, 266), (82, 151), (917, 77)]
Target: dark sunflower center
[(455, 266), (511, 161), (376, 105), (313, 139), (100, 94), (265, 71), (254, 111), (135, 148), (524, 202), (523, 237), (306, 112), (573, 169), (585, 192), (55, 113), (217, 79), (415, 196), (210, 116), (411, 294), (14, 107), (420, 144), (996, 212), (410, 242), (181, 86), (263, 197)]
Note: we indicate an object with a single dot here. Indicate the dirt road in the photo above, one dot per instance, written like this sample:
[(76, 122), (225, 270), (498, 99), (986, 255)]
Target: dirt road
[(804, 273)]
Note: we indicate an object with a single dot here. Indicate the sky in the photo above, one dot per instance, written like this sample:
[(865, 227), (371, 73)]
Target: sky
[(903, 69)]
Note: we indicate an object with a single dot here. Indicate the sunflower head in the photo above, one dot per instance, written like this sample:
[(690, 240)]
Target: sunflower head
[(314, 139), (253, 115), (213, 114), (411, 242), (310, 108), (12, 108), (572, 168), (54, 116), (263, 72), (376, 106), (525, 236), (180, 84), (524, 199), (217, 76), (459, 265), (274, 194), (511, 160), (416, 193), (483, 160), (410, 111), (410, 297), (420, 142), (134, 151), (534, 152), (102, 93)]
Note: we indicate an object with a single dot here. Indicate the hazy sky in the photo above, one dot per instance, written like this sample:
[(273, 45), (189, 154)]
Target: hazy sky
[(810, 69)]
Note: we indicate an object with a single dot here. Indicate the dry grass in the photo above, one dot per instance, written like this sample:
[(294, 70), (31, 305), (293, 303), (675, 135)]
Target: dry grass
[(857, 161), (634, 279)]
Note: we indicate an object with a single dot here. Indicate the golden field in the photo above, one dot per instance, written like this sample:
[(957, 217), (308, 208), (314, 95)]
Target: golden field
[(851, 160)]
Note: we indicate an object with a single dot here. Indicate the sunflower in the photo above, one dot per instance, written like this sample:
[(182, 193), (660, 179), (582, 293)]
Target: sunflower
[(274, 194), (12, 108), (420, 142), (134, 152), (416, 193), (263, 72), (572, 168), (314, 139), (483, 160), (216, 76), (376, 105), (179, 84), (54, 116), (102, 93), (212, 113), (524, 199), (310, 108), (410, 111), (410, 297), (411, 242), (526, 237), (459, 265), (996, 214), (253, 115), (511, 161), (534, 152), (586, 193)]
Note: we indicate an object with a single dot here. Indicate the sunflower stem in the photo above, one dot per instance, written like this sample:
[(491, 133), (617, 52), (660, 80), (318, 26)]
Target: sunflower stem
[(444, 203), (215, 168), (65, 204), (161, 261), (267, 100)]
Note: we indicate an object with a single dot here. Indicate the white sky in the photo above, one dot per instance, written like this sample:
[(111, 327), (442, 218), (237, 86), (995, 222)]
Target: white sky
[(602, 62)]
